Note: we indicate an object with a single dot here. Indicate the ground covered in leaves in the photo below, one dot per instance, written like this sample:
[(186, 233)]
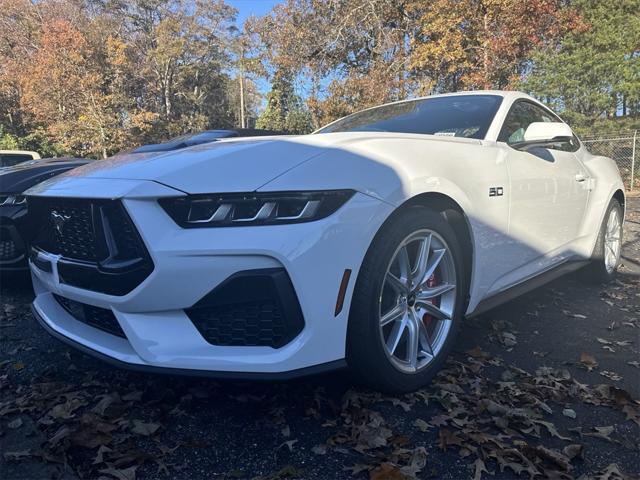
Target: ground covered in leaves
[(543, 387)]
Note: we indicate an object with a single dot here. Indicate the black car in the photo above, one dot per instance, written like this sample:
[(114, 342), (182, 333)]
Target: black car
[(13, 207), (191, 139)]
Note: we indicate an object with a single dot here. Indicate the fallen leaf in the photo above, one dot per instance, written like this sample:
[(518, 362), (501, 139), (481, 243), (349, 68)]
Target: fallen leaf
[(121, 474), (588, 361), (574, 450), (386, 471), (13, 424), (422, 425), (601, 432), (479, 467), (145, 429), (319, 449), (611, 375), (417, 463), (100, 455), (18, 455), (289, 444)]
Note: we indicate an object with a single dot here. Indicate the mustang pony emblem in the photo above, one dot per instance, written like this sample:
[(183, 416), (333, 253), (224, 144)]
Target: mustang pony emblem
[(59, 220)]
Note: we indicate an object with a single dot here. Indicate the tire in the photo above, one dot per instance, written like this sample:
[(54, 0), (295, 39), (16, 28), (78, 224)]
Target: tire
[(377, 360), (603, 269)]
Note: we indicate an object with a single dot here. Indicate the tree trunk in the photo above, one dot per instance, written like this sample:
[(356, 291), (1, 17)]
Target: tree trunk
[(485, 54)]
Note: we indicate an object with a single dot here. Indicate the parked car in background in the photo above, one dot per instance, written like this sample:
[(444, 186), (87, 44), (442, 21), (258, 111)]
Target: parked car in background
[(363, 244), (191, 139), (14, 228), (8, 158)]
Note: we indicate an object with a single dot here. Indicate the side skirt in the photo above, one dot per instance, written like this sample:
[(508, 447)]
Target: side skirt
[(527, 285)]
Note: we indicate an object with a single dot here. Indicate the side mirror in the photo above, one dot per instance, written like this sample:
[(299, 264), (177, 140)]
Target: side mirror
[(544, 134)]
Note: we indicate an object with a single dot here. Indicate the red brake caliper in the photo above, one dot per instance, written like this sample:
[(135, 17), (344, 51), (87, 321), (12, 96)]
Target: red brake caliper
[(432, 282)]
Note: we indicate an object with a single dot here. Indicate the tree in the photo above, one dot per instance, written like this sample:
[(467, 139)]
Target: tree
[(100, 76), (593, 75), (348, 54), (471, 44), (285, 111)]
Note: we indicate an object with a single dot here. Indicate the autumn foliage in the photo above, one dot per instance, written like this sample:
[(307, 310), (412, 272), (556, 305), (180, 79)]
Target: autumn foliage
[(96, 77)]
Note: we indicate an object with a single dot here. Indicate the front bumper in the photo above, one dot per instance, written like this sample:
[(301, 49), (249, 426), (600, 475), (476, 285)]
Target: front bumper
[(190, 263)]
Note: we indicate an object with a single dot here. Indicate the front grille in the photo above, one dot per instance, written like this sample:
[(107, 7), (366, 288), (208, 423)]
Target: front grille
[(99, 245), (8, 249), (75, 237), (250, 309), (11, 247), (96, 317), (67, 228)]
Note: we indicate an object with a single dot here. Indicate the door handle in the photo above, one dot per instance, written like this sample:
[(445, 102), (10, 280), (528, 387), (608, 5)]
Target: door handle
[(580, 177)]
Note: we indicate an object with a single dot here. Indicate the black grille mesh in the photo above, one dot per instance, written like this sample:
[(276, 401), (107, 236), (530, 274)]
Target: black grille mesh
[(75, 237), (251, 308), (8, 249), (96, 317), (242, 324)]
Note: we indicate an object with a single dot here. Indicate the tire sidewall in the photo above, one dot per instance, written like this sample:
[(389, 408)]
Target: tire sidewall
[(598, 268), (365, 307)]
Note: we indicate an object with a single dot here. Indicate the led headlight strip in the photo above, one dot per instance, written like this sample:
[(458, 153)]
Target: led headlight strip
[(244, 209), (13, 200)]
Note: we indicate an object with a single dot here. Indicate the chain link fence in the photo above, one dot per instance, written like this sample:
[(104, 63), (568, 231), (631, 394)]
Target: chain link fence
[(622, 147)]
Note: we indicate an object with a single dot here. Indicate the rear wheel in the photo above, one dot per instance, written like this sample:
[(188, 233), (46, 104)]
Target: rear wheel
[(606, 254), (407, 302)]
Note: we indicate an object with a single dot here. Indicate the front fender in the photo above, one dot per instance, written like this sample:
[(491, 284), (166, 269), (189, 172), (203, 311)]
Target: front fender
[(606, 181)]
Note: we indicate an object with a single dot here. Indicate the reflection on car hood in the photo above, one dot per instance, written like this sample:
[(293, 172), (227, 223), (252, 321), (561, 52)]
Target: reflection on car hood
[(18, 178), (230, 165)]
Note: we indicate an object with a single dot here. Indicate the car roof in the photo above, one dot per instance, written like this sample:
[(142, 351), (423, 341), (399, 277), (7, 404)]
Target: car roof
[(35, 155)]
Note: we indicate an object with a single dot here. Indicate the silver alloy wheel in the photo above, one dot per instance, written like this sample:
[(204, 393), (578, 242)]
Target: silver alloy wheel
[(612, 240), (417, 300)]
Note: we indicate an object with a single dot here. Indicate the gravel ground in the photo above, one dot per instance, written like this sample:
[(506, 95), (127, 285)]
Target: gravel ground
[(540, 387)]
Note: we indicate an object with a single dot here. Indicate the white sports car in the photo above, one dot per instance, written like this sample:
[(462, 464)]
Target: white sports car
[(363, 244)]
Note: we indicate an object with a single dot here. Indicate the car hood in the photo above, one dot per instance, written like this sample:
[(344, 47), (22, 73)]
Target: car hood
[(18, 178), (229, 165)]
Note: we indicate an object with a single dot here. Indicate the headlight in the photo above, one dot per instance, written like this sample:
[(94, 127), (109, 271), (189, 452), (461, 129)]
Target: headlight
[(244, 209), (13, 200)]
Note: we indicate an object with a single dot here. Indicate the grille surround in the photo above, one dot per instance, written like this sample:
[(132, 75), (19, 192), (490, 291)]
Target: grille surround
[(253, 308)]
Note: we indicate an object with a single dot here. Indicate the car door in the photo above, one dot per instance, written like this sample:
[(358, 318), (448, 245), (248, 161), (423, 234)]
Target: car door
[(548, 192)]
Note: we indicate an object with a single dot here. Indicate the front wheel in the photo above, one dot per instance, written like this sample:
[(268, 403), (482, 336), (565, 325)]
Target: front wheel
[(606, 254), (407, 302)]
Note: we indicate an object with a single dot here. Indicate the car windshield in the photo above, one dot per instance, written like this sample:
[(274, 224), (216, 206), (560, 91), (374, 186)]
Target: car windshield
[(452, 116)]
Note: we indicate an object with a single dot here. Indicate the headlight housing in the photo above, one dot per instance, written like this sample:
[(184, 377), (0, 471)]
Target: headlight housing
[(14, 199), (251, 209)]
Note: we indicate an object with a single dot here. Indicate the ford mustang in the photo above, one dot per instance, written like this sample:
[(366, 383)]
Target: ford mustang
[(364, 244)]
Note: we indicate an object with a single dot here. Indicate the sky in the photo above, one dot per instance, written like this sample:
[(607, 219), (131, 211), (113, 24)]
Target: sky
[(246, 8)]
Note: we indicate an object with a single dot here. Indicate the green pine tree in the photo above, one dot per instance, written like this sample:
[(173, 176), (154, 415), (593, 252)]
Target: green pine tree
[(593, 76), (285, 111)]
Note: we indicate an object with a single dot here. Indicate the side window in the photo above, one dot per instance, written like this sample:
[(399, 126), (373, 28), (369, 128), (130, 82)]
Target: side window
[(523, 114), (8, 160)]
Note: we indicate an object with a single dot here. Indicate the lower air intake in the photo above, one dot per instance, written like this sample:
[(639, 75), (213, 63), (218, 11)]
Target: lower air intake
[(96, 317), (250, 309)]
